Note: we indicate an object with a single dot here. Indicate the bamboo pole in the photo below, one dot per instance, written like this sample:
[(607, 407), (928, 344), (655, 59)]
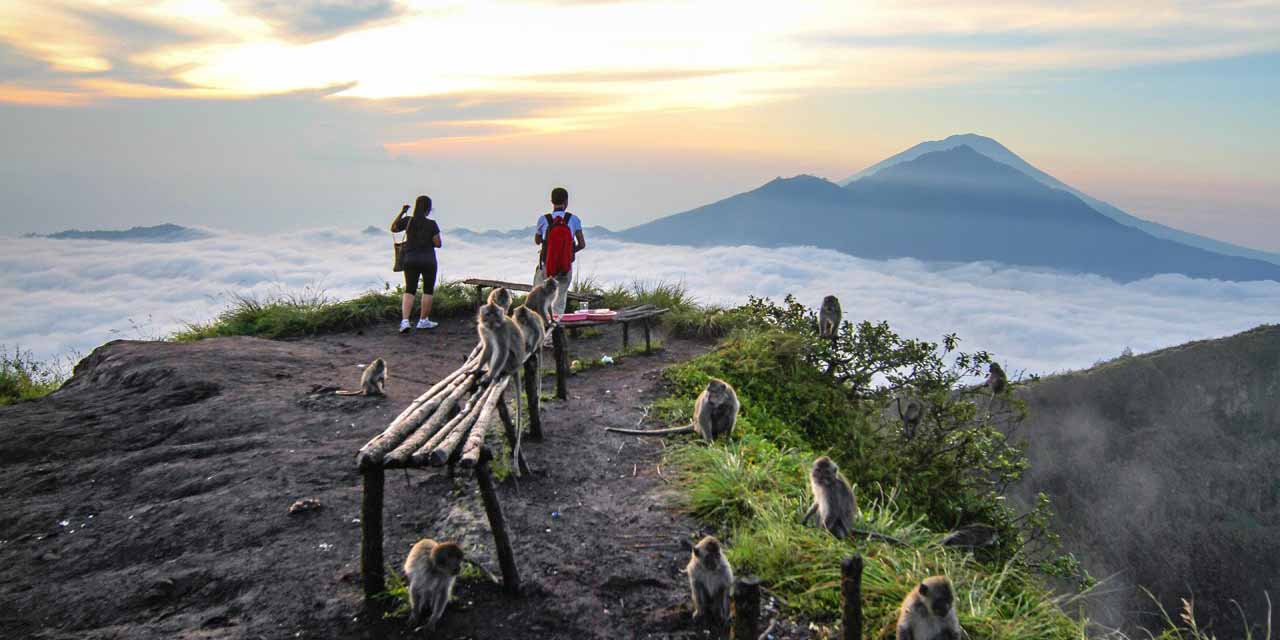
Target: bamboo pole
[(444, 451), (492, 508), (403, 453), (471, 450)]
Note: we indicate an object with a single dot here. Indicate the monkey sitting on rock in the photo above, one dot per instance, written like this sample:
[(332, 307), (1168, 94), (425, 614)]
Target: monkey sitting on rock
[(714, 414)]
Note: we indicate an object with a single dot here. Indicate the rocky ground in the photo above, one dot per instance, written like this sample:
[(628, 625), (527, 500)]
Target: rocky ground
[(149, 498)]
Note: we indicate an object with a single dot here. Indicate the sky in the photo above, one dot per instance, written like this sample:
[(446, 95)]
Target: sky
[(266, 115), (60, 299)]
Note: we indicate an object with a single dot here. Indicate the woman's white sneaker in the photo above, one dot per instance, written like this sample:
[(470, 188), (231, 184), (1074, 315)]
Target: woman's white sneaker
[(426, 323), (404, 326)]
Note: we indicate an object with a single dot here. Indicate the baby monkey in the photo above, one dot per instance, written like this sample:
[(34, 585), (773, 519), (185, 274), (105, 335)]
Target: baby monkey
[(373, 381), (714, 414), (710, 580), (928, 612), (833, 498), (431, 569)]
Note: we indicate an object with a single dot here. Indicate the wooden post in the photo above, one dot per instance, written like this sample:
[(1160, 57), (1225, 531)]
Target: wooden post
[(513, 433), (746, 608), (561, 350), (626, 335), (479, 296), (371, 563), (647, 346), (851, 598), (506, 559), (531, 374)]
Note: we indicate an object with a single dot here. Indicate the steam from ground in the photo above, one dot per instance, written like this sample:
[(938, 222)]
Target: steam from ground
[(60, 297)]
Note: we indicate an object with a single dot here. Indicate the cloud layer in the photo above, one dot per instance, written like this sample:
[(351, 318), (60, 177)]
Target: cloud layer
[(59, 297)]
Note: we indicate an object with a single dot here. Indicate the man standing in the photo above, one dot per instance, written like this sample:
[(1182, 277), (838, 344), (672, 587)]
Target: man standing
[(560, 236)]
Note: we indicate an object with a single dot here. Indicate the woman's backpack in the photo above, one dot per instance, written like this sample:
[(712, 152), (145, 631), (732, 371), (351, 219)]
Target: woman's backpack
[(558, 246)]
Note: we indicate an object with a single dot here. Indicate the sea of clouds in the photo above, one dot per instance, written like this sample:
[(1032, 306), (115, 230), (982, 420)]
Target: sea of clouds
[(60, 299)]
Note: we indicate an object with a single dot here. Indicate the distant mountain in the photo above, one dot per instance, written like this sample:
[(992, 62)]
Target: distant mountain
[(158, 233), (956, 205), (998, 152)]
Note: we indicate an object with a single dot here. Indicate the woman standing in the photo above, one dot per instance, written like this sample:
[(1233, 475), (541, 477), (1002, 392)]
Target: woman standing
[(422, 239)]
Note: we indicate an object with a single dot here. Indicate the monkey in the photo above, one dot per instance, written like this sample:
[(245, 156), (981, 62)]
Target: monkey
[(373, 381), (710, 579), (829, 317), (997, 380), (971, 536), (431, 569), (927, 613), (503, 351), (501, 297), (542, 298), (833, 499), (910, 415), (714, 414), (534, 332), (502, 345)]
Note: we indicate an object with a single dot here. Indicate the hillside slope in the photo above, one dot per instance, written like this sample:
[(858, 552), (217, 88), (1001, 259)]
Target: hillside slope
[(1162, 470), (149, 497)]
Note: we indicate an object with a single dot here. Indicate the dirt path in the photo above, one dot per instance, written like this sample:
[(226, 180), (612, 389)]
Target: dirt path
[(149, 498)]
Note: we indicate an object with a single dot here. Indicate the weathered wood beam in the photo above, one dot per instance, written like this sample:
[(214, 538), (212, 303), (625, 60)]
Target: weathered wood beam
[(851, 598), (371, 562), (475, 441), (492, 508), (561, 350)]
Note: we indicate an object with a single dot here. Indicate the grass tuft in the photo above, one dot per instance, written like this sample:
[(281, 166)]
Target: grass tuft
[(311, 312), (22, 377)]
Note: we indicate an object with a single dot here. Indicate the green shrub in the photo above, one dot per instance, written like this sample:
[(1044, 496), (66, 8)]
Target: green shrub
[(804, 396), (22, 377)]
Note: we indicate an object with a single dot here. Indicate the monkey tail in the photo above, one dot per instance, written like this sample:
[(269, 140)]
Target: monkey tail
[(884, 537), (688, 428), (343, 392)]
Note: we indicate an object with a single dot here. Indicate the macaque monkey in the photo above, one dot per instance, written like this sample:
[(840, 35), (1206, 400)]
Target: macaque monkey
[(373, 381), (431, 569), (710, 580), (714, 414)]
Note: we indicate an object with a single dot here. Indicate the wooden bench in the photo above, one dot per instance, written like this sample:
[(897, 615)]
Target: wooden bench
[(481, 284), (643, 314)]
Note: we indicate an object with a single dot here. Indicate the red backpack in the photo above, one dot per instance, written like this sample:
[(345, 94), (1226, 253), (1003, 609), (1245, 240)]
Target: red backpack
[(558, 246)]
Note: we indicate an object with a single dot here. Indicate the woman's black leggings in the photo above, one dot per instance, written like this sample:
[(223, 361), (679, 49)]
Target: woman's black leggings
[(425, 270)]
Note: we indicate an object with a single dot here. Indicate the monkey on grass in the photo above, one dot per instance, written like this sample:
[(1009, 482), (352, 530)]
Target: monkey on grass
[(714, 414)]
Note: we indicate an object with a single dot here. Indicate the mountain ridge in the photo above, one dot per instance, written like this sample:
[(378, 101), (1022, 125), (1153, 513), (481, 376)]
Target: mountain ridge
[(998, 152), (955, 205)]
